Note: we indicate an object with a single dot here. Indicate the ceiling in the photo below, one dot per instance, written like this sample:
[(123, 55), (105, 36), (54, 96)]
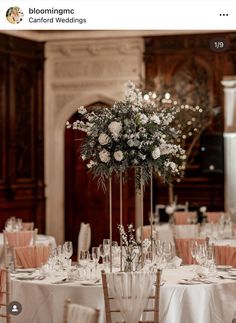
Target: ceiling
[(51, 35)]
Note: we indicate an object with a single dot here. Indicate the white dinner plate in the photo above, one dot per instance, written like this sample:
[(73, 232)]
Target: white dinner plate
[(24, 271), (189, 282), (224, 267), (232, 272), (90, 284)]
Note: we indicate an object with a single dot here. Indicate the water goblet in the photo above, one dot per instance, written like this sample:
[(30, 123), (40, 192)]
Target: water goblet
[(67, 249), (95, 257), (102, 253), (106, 245), (83, 261)]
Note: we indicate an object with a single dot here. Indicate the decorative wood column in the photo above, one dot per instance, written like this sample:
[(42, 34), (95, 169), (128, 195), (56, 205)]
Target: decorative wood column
[(229, 83)]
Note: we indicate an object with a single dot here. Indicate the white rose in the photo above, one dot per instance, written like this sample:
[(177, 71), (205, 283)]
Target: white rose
[(203, 209), (103, 139), (115, 128), (118, 155), (143, 118), (156, 153), (82, 110), (91, 164), (104, 156), (155, 119), (173, 166)]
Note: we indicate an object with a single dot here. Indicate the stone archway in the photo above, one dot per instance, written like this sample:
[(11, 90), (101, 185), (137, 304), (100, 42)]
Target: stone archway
[(79, 72), (55, 164)]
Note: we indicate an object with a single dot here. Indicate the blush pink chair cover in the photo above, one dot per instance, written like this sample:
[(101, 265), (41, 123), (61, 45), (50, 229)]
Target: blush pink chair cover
[(19, 239), (225, 255), (32, 256), (183, 247), (182, 217), (213, 217), (146, 232), (27, 226)]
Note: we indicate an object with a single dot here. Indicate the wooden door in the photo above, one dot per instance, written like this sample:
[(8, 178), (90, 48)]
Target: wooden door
[(21, 131), (85, 201)]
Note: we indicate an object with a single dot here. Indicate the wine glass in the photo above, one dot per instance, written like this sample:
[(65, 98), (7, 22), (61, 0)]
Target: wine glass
[(115, 253), (84, 257), (91, 265), (102, 252), (67, 249), (167, 250), (106, 245), (193, 249), (96, 256)]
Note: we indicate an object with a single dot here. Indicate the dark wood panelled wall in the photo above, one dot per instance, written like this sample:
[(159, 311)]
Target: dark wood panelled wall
[(188, 64), (21, 131)]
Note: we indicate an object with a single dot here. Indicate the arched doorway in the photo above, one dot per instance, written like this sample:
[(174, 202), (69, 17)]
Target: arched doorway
[(84, 200)]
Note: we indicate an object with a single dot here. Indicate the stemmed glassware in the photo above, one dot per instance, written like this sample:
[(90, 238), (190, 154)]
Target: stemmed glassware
[(67, 250), (84, 257), (102, 253), (115, 253), (167, 250), (95, 257), (193, 249), (106, 245)]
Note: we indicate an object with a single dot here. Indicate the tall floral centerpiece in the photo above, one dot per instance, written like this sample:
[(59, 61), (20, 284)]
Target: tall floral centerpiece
[(132, 133)]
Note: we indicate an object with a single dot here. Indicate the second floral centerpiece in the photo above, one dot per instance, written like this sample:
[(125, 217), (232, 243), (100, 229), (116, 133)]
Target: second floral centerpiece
[(132, 249)]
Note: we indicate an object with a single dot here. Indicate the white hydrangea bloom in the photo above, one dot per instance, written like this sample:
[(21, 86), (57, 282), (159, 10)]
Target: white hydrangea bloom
[(115, 129), (156, 153), (104, 156), (143, 118), (103, 139), (155, 119), (118, 155), (91, 164)]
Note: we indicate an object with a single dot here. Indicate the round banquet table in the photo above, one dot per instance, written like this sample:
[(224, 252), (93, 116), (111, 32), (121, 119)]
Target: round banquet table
[(41, 239), (43, 302)]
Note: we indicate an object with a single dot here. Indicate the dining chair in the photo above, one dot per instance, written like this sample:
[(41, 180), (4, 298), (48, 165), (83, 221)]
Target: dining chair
[(183, 217), (31, 256), (4, 294), (27, 226), (214, 217), (130, 294), (17, 239), (75, 313)]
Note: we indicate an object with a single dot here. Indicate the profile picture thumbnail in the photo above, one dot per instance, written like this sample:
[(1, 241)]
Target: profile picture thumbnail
[(14, 15)]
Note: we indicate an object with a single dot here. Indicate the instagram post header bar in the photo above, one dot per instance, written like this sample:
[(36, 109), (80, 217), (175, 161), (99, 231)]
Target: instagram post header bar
[(115, 15)]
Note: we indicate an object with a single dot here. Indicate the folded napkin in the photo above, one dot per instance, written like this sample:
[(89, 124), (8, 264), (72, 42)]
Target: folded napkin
[(176, 262), (202, 271)]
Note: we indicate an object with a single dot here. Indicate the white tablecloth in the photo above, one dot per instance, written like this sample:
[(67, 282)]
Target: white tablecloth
[(41, 239), (214, 303)]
